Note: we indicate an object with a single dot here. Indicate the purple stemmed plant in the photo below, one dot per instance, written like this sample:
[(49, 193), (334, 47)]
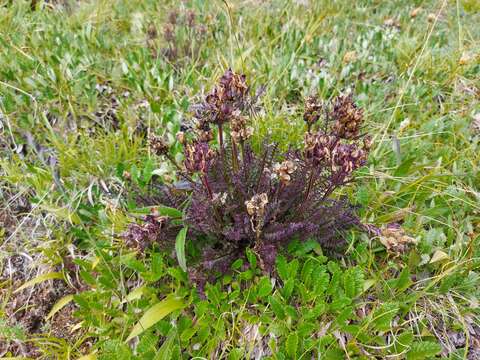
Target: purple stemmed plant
[(239, 198)]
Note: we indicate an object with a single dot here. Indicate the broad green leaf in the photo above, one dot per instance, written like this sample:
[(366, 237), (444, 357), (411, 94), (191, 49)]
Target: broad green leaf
[(282, 267), (169, 211), (156, 313), (403, 281), (39, 279), (423, 350), (59, 305), (180, 248), (264, 287)]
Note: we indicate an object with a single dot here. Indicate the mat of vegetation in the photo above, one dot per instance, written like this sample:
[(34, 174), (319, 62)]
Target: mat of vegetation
[(84, 272)]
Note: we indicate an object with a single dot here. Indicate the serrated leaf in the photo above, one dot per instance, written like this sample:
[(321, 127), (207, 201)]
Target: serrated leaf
[(353, 282), (277, 307), (39, 279), (180, 248), (423, 350), (59, 305), (156, 313), (291, 345), (288, 287)]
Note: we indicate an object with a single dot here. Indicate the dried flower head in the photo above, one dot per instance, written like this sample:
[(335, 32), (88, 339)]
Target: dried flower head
[(139, 237), (312, 112), (256, 205), (319, 147), (180, 136), (152, 32), (191, 18), (172, 17), (198, 157), (348, 117), (395, 240), (284, 170), (158, 145), (239, 129), (169, 32), (225, 101), (347, 157)]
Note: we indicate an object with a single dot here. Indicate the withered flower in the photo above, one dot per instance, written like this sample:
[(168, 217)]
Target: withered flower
[(169, 32), (318, 147), (312, 111), (158, 145), (239, 130), (347, 158), (348, 117), (198, 157), (191, 18), (180, 136), (395, 240), (224, 101), (256, 205), (152, 32), (172, 17), (284, 170), (139, 237)]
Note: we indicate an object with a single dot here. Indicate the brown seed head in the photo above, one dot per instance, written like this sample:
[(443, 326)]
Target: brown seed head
[(158, 145), (348, 117), (312, 110), (256, 205)]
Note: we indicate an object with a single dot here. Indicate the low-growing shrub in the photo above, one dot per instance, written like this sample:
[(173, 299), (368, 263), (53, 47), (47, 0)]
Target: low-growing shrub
[(239, 198)]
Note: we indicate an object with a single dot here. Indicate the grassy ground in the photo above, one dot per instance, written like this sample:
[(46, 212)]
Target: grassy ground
[(83, 83)]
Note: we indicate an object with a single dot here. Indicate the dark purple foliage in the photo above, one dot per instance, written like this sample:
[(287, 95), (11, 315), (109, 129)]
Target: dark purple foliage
[(242, 199)]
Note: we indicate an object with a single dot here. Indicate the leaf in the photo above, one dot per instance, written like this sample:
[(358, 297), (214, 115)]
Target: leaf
[(403, 168), (439, 256), (282, 267), (287, 289), (169, 211), (277, 307), (403, 281), (180, 248), (383, 316), (423, 350), (156, 313), (353, 282), (39, 279), (264, 287), (59, 305), (252, 258), (291, 345)]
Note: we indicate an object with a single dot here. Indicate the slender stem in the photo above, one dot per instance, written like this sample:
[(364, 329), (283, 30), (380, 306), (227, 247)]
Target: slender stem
[(220, 139), (234, 155), (207, 186), (310, 184)]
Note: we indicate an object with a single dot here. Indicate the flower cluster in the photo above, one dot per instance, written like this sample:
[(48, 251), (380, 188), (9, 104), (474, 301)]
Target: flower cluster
[(198, 157), (139, 237), (348, 117), (224, 103), (182, 34)]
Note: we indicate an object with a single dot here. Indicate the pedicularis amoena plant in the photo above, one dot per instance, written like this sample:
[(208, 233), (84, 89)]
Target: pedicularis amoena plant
[(242, 199)]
